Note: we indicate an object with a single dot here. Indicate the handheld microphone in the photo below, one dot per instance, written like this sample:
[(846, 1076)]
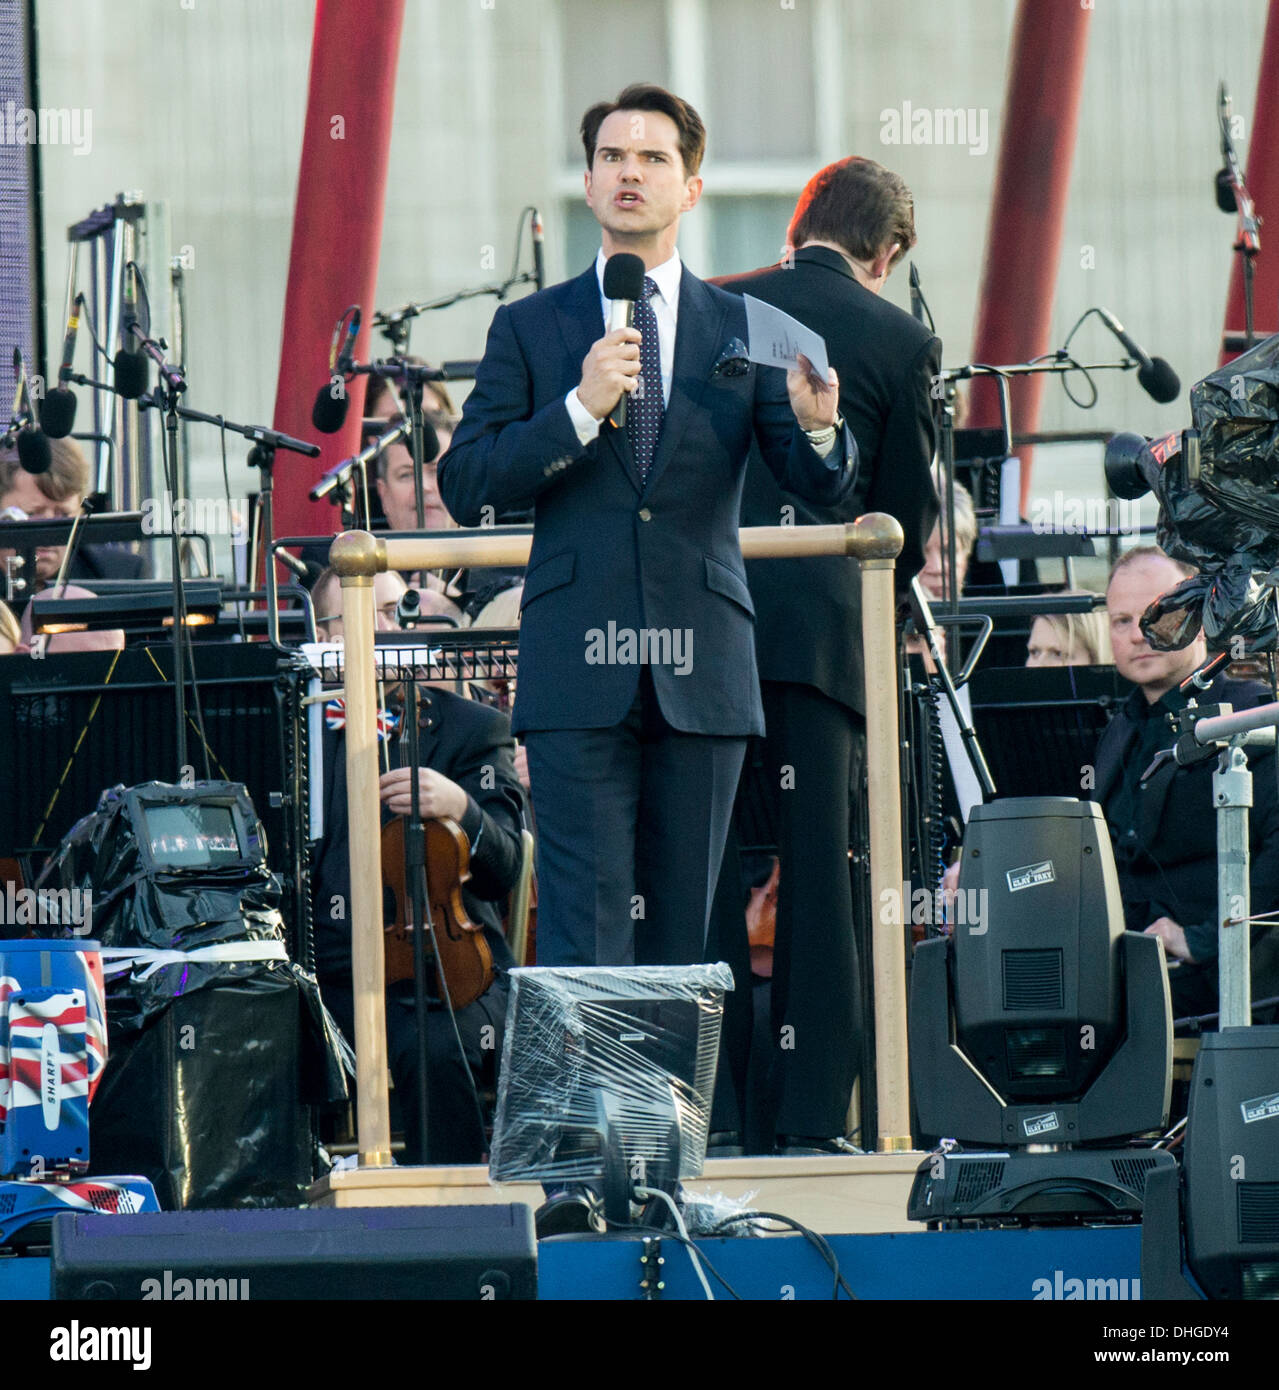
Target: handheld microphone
[(623, 285), (1156, 377), (130, 367), (539, 251), (328, 414), (57, 410)]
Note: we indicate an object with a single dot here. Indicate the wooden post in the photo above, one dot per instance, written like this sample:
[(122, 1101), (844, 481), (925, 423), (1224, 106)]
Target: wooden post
[(357, 557)]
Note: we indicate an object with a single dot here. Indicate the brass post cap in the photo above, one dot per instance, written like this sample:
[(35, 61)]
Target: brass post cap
[(875, 536), (357, 553)]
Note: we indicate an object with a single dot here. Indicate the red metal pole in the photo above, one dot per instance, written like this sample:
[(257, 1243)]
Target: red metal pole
[(1262, 178), (337, 234), (1028, 210)]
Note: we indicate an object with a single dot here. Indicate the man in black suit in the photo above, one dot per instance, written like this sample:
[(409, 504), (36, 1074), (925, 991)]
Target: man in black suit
[(637, 683), (1161, 816), (468, 775), (853, 223)]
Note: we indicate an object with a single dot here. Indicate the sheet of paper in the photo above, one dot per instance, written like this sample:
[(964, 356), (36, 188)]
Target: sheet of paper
[(776, 338)]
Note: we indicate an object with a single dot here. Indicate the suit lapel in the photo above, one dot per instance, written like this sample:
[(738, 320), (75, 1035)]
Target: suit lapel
[(698, 333), (581, 323)]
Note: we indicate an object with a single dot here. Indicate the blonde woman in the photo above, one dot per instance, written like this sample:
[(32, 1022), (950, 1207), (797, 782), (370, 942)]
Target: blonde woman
[(1069, 639)]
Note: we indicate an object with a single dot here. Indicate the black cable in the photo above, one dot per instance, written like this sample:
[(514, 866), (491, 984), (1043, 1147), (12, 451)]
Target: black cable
[(141, 283), (88, 323), (525, 216), (818, 1242)]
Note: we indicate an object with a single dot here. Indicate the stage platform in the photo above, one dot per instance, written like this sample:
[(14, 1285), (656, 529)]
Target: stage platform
[(854, 1195)]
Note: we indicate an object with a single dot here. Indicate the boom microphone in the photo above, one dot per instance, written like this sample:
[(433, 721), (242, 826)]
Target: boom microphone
[(623, 285), (1156, 377)]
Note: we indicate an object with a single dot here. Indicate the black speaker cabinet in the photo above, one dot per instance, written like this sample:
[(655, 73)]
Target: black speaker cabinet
[(479, 1252)]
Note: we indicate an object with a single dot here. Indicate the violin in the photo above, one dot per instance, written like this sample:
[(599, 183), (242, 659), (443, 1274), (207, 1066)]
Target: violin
[(463, 959)]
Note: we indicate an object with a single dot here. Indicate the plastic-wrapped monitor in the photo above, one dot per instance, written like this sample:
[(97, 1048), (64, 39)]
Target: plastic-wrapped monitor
[(605, 1065)]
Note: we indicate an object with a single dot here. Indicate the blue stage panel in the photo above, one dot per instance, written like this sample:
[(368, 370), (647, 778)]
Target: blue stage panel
[(948, 1265), (913, 1266)]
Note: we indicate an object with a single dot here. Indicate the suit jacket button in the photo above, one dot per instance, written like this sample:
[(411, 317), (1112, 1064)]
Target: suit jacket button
[(645, 514)]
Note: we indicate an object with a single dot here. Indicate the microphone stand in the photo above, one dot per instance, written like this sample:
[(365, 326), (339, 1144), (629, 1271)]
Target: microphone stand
[(172, 385), (1249, 243), (261, 456), (395, 323), (1057, 363), (413, 375)]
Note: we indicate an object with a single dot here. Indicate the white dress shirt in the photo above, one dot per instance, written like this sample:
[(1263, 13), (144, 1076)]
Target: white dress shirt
[(665, 305)]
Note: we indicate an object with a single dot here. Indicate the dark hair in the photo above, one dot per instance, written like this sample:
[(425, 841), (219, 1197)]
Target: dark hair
[(645, 96), (67, 475), (860, 206)]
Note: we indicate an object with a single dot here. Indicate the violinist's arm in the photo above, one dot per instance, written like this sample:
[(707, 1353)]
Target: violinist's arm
[(483, 796)]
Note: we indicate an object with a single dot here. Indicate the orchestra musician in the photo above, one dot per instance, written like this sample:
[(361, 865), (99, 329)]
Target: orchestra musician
[(1161, 815)]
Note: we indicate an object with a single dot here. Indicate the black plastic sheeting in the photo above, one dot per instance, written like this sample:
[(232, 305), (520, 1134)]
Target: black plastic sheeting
[(212, 1063), (1225, 519)]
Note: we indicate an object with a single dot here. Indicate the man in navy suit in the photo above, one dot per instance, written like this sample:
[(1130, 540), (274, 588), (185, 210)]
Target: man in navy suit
[(637, 684)]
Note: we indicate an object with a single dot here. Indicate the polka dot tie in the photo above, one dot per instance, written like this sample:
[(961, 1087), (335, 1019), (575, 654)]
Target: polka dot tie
[(645, 409)]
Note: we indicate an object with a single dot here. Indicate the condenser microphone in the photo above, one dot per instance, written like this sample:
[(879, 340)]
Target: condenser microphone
[(57, 410), (328, 414), (34, 454), (130, 367), (623, 285), (1156, 377), (539, 251)]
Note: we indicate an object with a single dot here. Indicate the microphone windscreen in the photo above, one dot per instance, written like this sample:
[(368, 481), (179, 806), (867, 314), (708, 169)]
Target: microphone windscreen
[(34, 453), (1226, 200), (623, 276), (1160, 381), (130, 370), (57, 413), (328, 414), (430, 442)]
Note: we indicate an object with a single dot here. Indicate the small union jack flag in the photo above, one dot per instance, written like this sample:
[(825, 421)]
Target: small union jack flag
[(335, 718)]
